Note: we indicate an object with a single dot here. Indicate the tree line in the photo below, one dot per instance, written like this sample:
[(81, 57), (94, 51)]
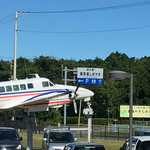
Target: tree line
[(107, 97)]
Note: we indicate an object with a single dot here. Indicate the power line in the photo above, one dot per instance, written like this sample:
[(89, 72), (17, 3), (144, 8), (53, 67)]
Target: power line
[(6, 19), (1, 23), (80, 32), (95, 9)]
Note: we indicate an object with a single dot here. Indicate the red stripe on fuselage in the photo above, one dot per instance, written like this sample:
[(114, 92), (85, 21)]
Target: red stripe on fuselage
[(20, 95)]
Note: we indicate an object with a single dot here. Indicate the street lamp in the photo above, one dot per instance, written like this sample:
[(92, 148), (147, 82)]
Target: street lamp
[(120, 75)]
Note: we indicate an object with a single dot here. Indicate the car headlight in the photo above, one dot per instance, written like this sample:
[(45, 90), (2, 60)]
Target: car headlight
[(19, 146), (51, 148)]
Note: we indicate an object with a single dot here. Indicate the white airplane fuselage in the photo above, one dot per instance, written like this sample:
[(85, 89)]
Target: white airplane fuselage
[(37, 94)]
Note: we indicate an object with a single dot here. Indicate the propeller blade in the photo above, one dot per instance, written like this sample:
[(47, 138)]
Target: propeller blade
[(75, 106), (77, 88), (73, 96)]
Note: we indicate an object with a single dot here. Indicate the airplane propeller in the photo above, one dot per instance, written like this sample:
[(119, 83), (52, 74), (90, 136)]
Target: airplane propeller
[(73, 96)]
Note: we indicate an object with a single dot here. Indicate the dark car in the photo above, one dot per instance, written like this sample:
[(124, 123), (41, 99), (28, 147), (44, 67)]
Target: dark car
[(84, 146), (9, 139)]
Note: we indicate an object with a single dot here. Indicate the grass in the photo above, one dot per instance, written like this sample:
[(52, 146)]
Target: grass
[(37, 141)]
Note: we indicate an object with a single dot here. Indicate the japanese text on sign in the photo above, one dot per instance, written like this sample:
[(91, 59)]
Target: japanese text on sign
[(90, 73), (138, 111)]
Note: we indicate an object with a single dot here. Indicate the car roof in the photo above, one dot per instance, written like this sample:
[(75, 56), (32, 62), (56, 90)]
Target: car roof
[(144, 138), (57, 130), (135, 138), (84, 143), (142, 129), (7, 128)]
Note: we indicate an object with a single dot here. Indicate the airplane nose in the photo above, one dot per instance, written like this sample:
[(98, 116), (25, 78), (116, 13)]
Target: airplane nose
[(90, 93), (84, 93)]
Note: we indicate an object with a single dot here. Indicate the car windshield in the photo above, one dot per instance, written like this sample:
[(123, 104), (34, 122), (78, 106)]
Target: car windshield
[(89, 148), (145, 145), (60, 137), (8, 135)]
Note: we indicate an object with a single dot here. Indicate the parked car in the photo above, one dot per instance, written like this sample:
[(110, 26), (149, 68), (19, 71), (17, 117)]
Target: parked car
[(84, 146), (135, 140), (56, 139), (9, 139), (143, 143), (126, 143), (142, 132)]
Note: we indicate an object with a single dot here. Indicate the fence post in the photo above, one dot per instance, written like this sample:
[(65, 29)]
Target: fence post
[(80, 134), (92, 132), (118, 132), (105, 132)]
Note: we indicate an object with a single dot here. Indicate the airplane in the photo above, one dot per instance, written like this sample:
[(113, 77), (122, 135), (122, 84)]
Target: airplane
[(38, 94)]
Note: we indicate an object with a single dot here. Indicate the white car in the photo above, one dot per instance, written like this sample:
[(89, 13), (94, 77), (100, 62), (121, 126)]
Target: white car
[(143, 143), (126, 144), (138, 143)]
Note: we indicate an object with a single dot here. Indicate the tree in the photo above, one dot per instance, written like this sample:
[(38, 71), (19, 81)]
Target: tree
[(5, 70)]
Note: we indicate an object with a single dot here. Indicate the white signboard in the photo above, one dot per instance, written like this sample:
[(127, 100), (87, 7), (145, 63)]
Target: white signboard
[(89, 75)]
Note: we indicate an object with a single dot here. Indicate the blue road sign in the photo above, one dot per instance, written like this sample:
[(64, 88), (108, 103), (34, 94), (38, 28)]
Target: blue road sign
[(95, 81)]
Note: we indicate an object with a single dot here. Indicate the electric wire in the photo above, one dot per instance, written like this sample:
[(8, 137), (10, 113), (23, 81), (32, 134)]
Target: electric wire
[(94, 9), (6, 19), (4, 22), (80, 32)]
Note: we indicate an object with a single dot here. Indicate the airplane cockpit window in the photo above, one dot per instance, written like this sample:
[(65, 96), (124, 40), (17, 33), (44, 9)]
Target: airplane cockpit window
[(2, 89), (16, 87), (22, 86), (30, 85), (8, 88), (45, 84)]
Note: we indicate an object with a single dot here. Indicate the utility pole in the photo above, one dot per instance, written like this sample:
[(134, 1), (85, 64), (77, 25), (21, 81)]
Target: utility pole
[(15, 47), (65, 105), (15, 42)]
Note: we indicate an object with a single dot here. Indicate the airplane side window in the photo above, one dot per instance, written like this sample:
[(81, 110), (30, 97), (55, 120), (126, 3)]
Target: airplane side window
[(22, 86), (2, 89), (45, 84), (30, 85), (16, 87), (8, 88)]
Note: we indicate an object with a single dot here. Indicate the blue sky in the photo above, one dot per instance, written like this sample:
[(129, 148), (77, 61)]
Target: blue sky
[(72, 35)]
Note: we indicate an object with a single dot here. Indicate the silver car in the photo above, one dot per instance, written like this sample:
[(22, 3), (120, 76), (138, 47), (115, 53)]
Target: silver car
[(56, 139)]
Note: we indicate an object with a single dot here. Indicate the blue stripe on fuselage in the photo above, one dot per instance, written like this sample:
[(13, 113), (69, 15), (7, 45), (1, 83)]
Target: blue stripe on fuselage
[(50, 91)]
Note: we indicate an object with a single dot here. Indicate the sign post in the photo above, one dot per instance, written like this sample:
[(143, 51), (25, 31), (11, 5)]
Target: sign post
[(92, 76)]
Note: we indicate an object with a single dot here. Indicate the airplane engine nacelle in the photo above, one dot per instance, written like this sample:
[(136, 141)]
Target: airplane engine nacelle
[(72, 96)]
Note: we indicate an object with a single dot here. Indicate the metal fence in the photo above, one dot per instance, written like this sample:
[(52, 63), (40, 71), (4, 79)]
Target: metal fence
[(116, 132)]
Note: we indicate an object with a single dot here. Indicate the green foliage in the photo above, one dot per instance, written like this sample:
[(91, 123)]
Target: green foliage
[(52, 117), (74, 120), (5, 70)]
